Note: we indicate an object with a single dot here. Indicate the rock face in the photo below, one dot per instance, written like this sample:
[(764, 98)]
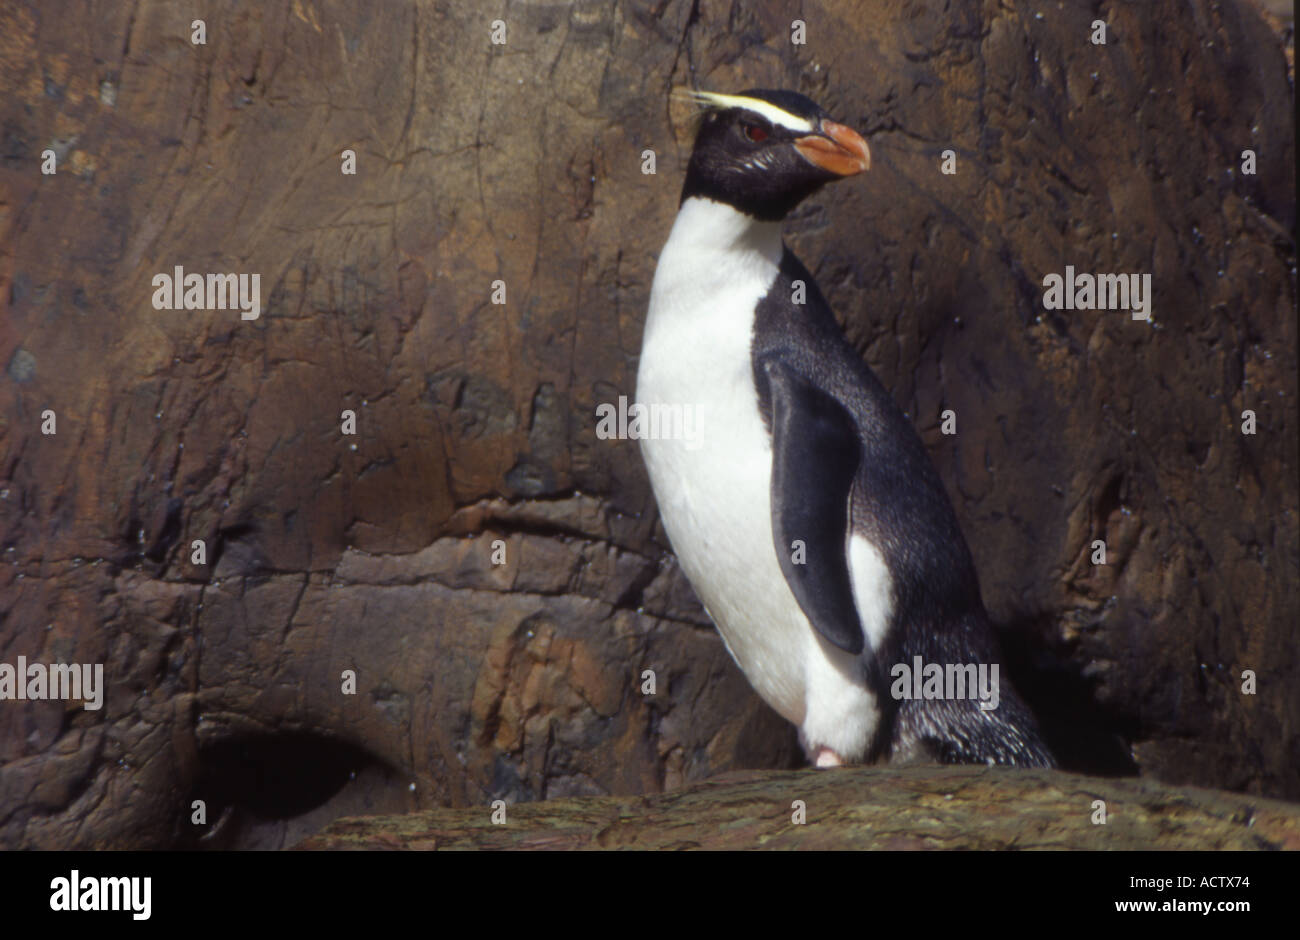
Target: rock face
[(488, 172)]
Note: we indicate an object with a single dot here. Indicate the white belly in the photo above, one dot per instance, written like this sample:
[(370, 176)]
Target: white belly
[(713, 500), (714, 492)]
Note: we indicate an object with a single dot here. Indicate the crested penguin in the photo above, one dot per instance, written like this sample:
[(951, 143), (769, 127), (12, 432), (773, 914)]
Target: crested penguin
[(807, 515)]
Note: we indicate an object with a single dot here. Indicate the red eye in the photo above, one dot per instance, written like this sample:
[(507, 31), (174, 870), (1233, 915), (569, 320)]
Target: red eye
[(755, 133)]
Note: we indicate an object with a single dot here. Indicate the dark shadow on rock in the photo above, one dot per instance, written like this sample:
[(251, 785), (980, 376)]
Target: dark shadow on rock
[(1084, 736), (260, 791)]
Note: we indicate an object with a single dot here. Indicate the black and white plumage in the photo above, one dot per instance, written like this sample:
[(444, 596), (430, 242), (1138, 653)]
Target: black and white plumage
[(801, 445)]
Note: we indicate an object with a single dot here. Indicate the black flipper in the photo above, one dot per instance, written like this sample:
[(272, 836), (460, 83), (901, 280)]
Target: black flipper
[(815, 456)]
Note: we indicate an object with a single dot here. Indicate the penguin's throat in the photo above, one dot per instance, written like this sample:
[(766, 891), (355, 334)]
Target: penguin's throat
[(709, 225)]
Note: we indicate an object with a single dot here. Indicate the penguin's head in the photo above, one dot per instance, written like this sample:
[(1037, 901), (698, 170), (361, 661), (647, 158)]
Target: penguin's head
[(764, 151)]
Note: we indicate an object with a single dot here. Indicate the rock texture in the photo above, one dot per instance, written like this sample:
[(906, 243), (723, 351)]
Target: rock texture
[(522, 164), (854, 808)]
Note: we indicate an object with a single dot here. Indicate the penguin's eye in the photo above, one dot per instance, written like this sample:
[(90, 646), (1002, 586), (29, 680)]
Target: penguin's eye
[(755, 133)]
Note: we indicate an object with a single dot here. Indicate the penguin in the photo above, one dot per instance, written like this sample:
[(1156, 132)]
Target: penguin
[(805, 512)]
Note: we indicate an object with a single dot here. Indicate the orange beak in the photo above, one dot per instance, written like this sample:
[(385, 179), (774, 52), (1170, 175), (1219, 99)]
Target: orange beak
[(837, 149)]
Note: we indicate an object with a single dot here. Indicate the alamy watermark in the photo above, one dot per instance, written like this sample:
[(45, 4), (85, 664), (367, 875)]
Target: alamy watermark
[(181, 291), (77, 893), (57, 681), (1085, 291), (639, 421), (922, 680)]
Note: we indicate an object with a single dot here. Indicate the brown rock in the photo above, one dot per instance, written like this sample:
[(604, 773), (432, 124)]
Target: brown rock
[(854, 808)]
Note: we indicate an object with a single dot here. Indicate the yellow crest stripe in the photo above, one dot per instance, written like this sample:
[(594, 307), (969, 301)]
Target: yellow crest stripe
[(716, 101)]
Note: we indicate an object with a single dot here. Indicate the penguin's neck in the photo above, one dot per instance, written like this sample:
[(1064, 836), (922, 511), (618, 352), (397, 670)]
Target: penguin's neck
[(716, 266), (705, 226)]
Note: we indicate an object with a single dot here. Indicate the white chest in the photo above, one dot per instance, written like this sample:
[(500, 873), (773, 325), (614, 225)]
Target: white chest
[(714, 492)]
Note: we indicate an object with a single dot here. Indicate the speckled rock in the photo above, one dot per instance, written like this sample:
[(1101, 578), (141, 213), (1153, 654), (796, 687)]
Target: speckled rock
[(970, 808)]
